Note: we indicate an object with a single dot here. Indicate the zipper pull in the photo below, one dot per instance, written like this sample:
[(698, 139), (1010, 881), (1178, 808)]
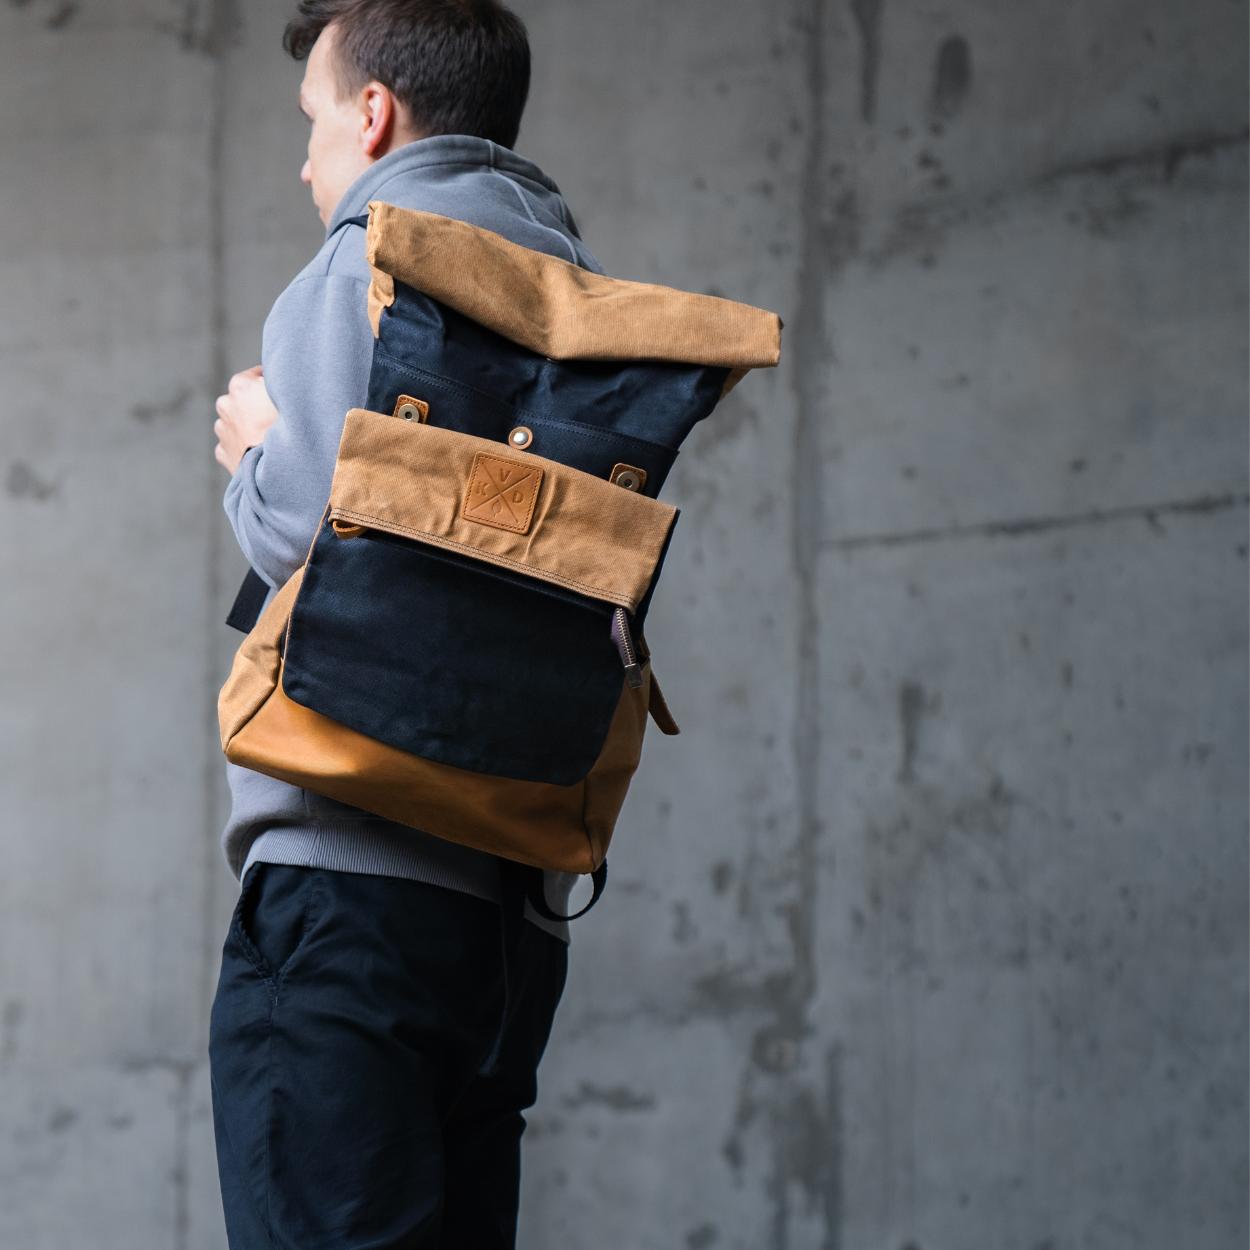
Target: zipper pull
[(625, 645)]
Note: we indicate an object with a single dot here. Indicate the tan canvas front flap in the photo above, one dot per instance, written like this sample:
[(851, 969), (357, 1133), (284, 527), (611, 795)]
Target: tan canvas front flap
[(553, 522), (555, 307)]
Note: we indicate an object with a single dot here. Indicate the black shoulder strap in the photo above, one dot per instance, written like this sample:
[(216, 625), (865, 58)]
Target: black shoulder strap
[(248, 602)]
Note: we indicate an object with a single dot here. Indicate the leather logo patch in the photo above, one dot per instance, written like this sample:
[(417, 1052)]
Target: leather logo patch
[(502, 492)]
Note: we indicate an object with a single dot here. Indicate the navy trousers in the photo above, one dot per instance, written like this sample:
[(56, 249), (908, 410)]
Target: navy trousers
[(353, 1106)]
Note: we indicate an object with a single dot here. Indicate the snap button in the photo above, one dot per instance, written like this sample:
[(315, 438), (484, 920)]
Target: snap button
[(629, 476), (522, 436), (411, 409)]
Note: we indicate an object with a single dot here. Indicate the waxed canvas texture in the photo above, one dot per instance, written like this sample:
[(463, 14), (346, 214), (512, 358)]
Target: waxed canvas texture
[(570, 528), (557, 308)]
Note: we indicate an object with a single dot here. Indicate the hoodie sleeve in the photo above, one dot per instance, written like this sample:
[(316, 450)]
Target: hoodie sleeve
[(316, 353)]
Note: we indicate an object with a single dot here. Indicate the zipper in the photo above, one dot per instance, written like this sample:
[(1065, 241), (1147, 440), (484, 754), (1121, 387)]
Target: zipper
[(625, 646)]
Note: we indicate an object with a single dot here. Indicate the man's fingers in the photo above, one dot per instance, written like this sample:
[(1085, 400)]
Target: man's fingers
[(244, 413), (243, 377)]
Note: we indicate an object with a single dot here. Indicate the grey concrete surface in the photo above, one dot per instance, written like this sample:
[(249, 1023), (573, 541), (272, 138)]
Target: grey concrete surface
[(929, 931)]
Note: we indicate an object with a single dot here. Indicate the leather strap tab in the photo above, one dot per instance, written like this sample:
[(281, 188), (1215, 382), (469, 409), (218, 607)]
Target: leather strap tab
[(658, 708)]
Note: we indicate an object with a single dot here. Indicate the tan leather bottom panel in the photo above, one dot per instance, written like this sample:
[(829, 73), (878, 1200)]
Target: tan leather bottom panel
[(255, 667), (560, 827)]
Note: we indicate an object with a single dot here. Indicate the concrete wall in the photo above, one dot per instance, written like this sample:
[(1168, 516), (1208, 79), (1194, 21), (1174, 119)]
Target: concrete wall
[(929, 932)]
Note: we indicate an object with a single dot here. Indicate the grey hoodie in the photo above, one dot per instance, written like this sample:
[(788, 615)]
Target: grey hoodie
[(316, 350)]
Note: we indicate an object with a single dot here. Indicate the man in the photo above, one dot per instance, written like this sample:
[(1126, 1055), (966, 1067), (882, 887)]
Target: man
[(366, 1089)]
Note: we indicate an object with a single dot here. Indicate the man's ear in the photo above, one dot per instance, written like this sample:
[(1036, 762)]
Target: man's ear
[(377, 119)]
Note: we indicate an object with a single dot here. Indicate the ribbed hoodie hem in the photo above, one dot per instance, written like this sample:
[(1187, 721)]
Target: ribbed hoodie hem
[(374, 847)]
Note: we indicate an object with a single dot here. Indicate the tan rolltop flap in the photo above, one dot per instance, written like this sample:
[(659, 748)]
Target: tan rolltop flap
[(555, 307), (513, 509)]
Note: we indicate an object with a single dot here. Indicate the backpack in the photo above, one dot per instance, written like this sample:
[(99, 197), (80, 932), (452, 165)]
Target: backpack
[(463, 648)]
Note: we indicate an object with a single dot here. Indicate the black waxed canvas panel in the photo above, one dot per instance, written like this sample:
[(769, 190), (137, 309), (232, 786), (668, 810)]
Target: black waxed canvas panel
[(451, 659), (586, 413)]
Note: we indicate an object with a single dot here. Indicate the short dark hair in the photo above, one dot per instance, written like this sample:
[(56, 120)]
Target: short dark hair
[(458, 66)]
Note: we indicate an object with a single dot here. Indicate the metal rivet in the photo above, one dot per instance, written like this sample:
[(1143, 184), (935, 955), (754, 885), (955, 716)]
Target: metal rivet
[(410, 408), (522, 436), (628, 475)]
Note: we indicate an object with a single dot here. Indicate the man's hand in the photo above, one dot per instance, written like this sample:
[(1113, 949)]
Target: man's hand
[(244, 413)]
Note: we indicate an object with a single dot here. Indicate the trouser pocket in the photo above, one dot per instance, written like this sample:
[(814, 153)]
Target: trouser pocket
[(276, 907)]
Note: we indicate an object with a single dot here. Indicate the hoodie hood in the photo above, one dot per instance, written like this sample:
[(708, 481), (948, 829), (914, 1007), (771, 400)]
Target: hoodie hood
[(474, 180)]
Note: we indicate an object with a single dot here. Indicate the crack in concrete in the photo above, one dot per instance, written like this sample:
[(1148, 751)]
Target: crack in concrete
[(1167, 154), (171, 407), (139, 1064), (921, 225), (1022, 526), (222, 28), (180, 1171), (614, 1097), (826, 245), (218, 371), (773, 1085)]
